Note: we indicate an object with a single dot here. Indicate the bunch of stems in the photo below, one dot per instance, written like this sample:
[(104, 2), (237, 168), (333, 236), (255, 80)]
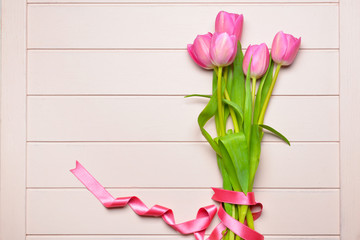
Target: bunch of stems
[(242, 212)]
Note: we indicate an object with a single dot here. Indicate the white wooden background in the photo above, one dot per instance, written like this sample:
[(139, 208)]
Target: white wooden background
[(102, 82)]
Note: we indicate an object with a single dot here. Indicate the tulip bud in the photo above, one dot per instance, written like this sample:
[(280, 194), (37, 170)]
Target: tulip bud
[(284, 48), (200, 51), (260, 60), (230, 23), (223, 49)]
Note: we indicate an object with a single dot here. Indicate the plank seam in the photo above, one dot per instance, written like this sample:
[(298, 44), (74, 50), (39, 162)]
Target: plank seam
[(163, 95), (153, 49), (26, 111), (184, 3), (189, 188), (175, 234), (201, 141)]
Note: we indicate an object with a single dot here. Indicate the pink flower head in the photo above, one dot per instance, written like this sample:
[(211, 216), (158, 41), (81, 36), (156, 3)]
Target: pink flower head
[(260, 60), (200, 51), (284, 48), (230, 23), (223, 49)]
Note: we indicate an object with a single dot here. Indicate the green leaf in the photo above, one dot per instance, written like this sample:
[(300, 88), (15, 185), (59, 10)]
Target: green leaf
[(207, 113), (198, 95), (226, 114), (275, 132), (235, 107), (229, 166), (228, 85), (259, 97), (267, 82), (237, 93), (226, 182), (230, 79), (248, 106), (214, 82), (255, 150), (234, 146)]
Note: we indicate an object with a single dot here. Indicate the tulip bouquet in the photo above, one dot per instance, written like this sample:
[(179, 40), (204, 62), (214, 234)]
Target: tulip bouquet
[(235, 95), (238, 146)]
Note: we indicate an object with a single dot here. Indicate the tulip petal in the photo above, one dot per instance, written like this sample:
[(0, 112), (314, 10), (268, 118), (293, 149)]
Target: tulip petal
[(238, 26), (265, 59), (222, 49), (256, 63), (247, 57), (234, 40), (292, 50), (199, 51), (202, 48), (224, 23), (260, 60), (190, 50), (284, 48), (279, 47)]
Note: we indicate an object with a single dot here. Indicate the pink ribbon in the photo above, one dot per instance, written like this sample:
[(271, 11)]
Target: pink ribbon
[(240, 229), (196, 226)]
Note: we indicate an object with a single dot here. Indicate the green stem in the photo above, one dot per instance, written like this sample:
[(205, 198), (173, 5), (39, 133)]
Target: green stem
[(253, 91), (250, 219), (226, 71), (219, 100), (244, 210), (239, 212), (267, 99), (232, 113), (242, 213), (231, 233), (249, 216)]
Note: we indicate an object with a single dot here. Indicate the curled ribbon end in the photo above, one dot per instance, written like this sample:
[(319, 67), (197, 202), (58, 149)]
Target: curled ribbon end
[(77, 166), (215, 191)]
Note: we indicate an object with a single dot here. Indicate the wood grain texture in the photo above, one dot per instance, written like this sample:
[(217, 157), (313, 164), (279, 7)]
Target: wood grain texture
[(13, 121), (349, 114), (178, 165), (114, 26), (167, 118), (84, 72), (77, 212)]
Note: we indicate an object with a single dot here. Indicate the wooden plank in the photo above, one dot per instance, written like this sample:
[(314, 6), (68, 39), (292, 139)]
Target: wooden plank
[(75, 211), (119, 237), (165, 164), (115, 26), (179, 1), (350, 135), (167, 118), (117, 72), (13, 122)]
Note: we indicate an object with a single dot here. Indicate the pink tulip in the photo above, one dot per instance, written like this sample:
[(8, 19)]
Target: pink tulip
[(223, 49), (284, 48), (230, 23), (260, 60), (200, 51)]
